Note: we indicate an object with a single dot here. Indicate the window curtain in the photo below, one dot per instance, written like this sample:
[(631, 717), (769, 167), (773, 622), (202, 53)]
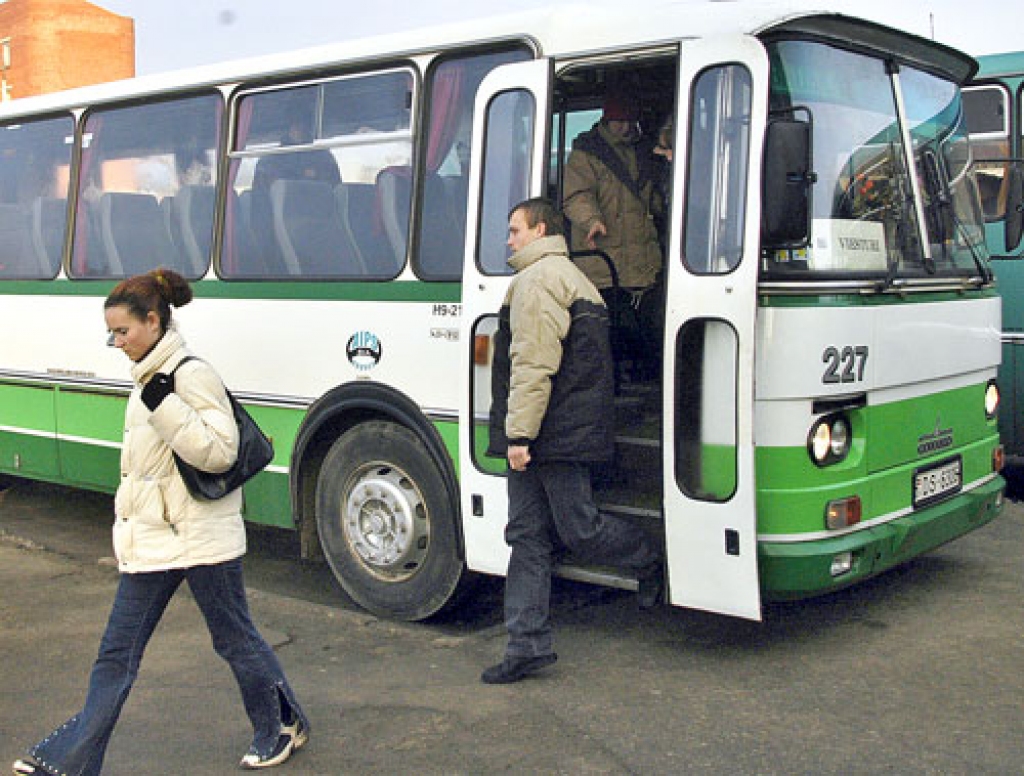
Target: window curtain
[(445, 111)]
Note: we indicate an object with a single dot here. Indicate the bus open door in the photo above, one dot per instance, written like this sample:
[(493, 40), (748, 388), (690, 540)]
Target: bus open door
[(708, 434)]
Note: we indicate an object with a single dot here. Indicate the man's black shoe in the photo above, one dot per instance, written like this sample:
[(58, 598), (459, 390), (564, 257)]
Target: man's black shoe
[(512, 669), (650, 586)]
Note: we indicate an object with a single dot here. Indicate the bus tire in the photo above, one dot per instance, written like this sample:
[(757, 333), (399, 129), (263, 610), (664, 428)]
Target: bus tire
[(386, 523)]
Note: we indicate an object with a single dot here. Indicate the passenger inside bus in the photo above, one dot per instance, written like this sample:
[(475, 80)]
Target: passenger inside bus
[(311, 166), (613, 196)]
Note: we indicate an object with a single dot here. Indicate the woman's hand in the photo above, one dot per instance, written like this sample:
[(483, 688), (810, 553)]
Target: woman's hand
[(156, 390)]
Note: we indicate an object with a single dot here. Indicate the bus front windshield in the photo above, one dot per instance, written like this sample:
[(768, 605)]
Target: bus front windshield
[(866, 218)]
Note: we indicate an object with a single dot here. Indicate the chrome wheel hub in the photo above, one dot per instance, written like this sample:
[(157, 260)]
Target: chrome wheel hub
[(385, 522)]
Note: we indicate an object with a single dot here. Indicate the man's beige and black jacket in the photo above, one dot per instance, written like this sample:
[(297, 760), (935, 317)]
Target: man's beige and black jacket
[(552, 381)]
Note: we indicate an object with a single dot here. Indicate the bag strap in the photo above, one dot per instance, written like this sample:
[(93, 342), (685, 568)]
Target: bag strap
[(231, 398), (184, 360)]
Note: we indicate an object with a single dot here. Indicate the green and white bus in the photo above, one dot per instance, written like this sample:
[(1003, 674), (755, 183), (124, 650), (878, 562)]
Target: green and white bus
[(993, 105), (827, 405)]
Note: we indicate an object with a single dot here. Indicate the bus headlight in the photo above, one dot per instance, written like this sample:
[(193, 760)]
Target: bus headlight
[(991, 400), (829, 440)]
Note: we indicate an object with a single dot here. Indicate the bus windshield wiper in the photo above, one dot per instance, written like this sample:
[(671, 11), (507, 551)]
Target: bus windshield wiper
[(941, 208)]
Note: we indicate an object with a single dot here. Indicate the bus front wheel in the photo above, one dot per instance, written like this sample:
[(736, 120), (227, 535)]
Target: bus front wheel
[(386, 523)]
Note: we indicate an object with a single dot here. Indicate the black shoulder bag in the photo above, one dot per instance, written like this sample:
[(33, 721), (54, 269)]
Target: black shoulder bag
[(255, 451)]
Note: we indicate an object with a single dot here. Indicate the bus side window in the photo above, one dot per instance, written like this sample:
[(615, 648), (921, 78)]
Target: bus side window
[(509, 132), (442, 221), (716, 182), (35, 159), (136, 160), (705, 395), (986, 110), (311, 166)]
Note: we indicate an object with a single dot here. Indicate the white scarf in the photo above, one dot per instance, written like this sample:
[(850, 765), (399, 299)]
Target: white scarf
[(155, 360)]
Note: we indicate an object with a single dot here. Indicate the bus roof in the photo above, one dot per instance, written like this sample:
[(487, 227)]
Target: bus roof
[(555, 31), (1006, 64)]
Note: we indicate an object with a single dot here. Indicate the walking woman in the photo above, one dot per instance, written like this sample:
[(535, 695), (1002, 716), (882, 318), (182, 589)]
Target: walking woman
[(164, 536)]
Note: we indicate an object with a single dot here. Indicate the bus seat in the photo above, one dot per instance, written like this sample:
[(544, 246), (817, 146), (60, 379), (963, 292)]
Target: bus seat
[(394, 192), (133, 234), (341, 215), (89, 257), (356, 203), (244, 200), (239, 255), (309, 232), (49, 218), (443, 235), (167, 213), (17, 259), (192, 219), (242, 212)]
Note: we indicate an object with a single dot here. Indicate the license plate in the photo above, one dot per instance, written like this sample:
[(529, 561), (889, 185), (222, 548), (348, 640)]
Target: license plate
[(937, 482)]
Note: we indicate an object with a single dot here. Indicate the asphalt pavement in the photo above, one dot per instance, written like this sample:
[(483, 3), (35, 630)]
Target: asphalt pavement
[(918, 671)]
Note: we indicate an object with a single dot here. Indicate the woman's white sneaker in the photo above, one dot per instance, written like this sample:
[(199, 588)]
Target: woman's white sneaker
[(292, 737)]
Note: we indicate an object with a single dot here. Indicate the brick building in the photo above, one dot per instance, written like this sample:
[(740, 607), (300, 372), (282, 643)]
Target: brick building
[(49, 45)]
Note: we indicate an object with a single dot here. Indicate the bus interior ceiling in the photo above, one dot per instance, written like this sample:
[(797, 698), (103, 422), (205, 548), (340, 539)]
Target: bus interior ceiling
[(653, 81)]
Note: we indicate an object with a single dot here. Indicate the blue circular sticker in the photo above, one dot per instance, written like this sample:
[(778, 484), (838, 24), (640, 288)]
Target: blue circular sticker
[(363, 350)]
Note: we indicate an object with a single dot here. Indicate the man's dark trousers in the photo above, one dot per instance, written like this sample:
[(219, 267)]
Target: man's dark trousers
[(552, 505)]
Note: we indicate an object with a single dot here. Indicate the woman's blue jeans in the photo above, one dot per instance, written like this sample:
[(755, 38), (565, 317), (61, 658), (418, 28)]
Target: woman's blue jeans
[(77, 747)]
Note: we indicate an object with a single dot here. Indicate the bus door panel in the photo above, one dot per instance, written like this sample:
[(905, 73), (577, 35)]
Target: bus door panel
[(711, 272), (508, 163)]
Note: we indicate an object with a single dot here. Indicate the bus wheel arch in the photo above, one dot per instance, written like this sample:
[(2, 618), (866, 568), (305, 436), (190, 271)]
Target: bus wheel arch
[(375, 486)]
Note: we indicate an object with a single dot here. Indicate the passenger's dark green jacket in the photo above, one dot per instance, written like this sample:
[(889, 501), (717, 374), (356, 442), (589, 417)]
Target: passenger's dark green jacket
[(552, 381), (612, 181)]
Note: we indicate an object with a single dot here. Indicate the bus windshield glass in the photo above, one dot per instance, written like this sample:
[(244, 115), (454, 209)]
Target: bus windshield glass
[(866, 221)]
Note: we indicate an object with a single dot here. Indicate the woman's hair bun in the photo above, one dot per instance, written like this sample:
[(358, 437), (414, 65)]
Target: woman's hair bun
[(173, 287)]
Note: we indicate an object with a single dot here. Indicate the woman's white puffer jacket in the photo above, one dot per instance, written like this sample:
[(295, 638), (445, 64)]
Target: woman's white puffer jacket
[(158, 524)]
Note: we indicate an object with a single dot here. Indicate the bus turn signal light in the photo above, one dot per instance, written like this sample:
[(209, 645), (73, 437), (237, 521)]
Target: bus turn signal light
[(998, 458), (482, 350), (842, 513)]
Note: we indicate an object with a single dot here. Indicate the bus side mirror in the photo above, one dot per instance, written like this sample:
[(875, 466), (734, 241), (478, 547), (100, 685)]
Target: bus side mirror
[(1014, 223), (786, 184)]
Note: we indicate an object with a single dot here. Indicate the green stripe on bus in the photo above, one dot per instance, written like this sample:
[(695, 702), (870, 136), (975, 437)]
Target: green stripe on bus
[(324, 290), (794, 570), (90, 415), (28, 407), (268, 500), (91, 423), (799, 510), (28, 455), (793, 492)]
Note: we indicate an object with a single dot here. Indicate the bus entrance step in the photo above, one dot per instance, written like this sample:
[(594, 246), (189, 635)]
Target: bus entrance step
[(614, 501), (597, 575)]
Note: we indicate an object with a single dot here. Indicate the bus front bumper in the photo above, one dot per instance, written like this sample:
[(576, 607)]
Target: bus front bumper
[(794, 570)]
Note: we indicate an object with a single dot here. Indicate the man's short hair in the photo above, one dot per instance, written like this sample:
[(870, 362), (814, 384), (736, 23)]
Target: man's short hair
[(541, 210)]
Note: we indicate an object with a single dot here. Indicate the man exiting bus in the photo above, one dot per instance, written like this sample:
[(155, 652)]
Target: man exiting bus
[(552, 394), (614, 202)]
